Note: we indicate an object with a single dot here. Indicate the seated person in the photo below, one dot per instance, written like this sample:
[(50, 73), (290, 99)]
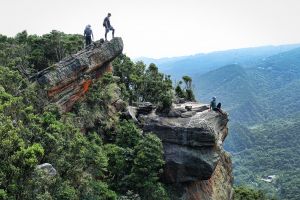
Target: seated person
[(213, 106)]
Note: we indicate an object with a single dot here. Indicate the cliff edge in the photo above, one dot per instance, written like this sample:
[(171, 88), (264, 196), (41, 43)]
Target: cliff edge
[(196, 167)]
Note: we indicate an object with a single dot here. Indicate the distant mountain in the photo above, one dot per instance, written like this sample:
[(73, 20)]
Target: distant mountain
[(264, 108), (202, 63), (159, 61), (231, 85)]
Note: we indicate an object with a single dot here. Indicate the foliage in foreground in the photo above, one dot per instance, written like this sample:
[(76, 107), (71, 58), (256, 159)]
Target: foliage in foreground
[(125, 165), (87, 168), (29, 138)]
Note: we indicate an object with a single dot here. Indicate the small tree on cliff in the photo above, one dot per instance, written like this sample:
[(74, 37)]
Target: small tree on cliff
[(188, 82), (186, 93), (178, 91)]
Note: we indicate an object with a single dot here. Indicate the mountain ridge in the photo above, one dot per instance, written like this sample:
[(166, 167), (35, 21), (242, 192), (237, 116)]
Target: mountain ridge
[(204, 62), (263, 106)]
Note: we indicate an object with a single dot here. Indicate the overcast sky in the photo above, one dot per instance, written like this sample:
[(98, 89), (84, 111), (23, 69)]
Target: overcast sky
[(162, 28)]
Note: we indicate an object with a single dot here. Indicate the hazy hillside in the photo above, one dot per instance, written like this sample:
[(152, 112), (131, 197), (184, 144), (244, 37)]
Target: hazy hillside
[(202, 63), (273, 150), (263, 103), (232, 85)]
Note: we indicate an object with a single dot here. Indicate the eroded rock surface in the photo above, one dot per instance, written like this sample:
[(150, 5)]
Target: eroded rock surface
[(195, 160), (218, 187), (68, 80)]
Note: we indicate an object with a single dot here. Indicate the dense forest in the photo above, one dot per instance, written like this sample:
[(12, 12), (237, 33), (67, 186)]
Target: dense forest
[(107, 160)]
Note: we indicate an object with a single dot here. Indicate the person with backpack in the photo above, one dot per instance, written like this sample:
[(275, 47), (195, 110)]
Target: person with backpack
[(213, 106), (108, 27), (88, 34)]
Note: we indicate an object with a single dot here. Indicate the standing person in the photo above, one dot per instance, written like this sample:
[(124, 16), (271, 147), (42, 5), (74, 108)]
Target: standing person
[(88, 34), (108, 27)]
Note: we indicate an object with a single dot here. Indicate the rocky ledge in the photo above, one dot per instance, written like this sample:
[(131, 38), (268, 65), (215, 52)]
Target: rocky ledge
[(192, 137), (68, 80)]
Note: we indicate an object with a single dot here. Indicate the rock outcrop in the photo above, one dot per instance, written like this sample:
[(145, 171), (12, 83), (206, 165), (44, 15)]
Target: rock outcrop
[(196, 163), (68, 80)]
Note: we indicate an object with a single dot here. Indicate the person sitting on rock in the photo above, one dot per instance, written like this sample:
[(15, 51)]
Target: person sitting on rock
[(88, 34), (213, 106), (108, 27)]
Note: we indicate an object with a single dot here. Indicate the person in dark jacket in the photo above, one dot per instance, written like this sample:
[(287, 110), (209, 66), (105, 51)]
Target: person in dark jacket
[(108, 27), (88, 34), (213, 105)]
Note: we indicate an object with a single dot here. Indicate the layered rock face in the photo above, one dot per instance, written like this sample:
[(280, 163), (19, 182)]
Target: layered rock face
[(196, 163), (68, 80)]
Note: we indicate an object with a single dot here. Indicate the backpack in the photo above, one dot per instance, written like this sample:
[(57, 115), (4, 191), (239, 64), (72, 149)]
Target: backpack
[(104, 22), (88, 32)]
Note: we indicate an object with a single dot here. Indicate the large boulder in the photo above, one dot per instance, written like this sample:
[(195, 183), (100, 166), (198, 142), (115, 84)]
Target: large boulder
[(68, 80)]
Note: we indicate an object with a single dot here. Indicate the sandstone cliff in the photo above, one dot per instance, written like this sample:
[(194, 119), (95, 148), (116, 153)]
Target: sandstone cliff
[(68, 80), (196, 166)]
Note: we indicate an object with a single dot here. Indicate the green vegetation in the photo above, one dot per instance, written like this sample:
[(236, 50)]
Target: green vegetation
[(96, 154), (140, 84), (29, 137), (32, 53)]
